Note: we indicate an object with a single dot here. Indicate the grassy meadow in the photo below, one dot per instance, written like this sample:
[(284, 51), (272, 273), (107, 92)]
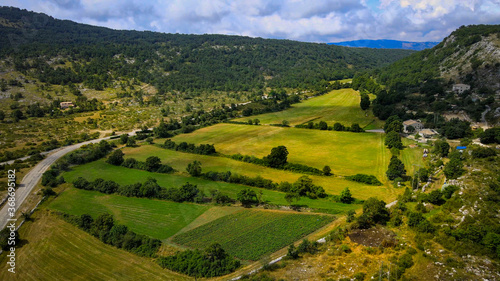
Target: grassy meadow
[(346, 153), (121, 175), (179, 160), (337, 106), (155, 218)]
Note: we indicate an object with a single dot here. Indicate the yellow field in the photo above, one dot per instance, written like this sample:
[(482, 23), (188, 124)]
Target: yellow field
[(56, 250), (337, 106)]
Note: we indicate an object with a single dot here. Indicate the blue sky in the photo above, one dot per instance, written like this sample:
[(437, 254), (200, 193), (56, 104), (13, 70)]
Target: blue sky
[(311, 21)]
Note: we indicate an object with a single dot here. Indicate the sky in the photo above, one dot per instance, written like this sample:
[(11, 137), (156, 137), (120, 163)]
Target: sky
[(321, 21)]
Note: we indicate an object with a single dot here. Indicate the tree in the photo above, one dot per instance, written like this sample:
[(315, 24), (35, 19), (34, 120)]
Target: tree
[(124, 139), (322, 125), (441, 148), (116, 158), (454, 168), (338, 127), (215, 252), (393, 139), (389, 126), (376, 211), (285, 123), (256, 121), (277, 158), (396, 169), (5, 234), (292, 252), (131, 142), (365, 102), (153, 163), (102, 225), (327, 171), (346, 196), (423, 174), (247, 197), (162, 131), (356, 128), (350, 215), (291, 196), (17, 115), (491, 135), (150, 188), (194, 168), (2, 115)]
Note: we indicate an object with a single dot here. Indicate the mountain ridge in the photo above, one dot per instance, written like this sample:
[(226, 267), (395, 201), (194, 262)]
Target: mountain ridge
[(386, 44)]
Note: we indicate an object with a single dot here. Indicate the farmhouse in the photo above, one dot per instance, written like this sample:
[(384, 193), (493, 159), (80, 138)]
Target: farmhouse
[(428, 133), (66, 104), (460, 88), (416, 124)]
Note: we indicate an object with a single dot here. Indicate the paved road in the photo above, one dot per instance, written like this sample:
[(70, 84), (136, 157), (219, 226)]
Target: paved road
[(380, 131), (26, 157), (34, 175)]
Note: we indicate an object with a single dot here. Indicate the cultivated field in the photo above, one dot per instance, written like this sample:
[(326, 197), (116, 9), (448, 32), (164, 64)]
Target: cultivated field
[(250, 234), (337, 106)]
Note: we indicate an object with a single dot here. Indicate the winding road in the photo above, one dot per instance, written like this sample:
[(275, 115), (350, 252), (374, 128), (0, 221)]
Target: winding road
[(30, 180)]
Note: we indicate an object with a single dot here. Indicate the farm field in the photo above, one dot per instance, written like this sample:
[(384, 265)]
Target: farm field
[(337, 106), (121, 175), (250, 234), (57, 250), (155, 218), (346, 153), (412, 157), (179, 160)]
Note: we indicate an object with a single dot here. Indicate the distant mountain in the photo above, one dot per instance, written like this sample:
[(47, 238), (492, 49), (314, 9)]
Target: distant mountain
[(387, 44)]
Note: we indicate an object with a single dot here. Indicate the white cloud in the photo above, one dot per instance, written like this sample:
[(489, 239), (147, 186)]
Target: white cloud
[(318, 21)]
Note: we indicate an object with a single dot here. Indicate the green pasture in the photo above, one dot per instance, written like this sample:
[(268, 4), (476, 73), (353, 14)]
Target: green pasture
[(155, 218), (179, 160), (121, 175), (250, 234), (337, 106)]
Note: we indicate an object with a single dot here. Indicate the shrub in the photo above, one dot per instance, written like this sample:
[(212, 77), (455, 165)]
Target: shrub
[(368, 179)]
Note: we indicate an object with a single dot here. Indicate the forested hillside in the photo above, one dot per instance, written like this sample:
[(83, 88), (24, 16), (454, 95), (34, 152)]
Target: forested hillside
[(41, 46), (423, 82)]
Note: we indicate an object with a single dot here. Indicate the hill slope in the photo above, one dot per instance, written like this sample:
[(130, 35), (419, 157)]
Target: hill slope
[(172, 61), (424, 81), (387, 44), (469, 54)]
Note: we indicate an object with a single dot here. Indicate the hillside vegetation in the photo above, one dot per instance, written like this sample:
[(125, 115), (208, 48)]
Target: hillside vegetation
[(421, 85), (63, 52)]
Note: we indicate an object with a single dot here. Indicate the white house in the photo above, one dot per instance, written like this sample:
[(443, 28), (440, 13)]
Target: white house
[(460, 88), (416, 124)]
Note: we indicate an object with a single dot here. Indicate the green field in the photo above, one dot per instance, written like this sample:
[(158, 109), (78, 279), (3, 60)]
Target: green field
[(56, 250), (155, 218), (179, 160), (337, 106), (121, 175), (250, 234), (345, 152)]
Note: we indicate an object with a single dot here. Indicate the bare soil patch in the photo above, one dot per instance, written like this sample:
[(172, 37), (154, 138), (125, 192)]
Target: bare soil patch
[(372, 237)]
